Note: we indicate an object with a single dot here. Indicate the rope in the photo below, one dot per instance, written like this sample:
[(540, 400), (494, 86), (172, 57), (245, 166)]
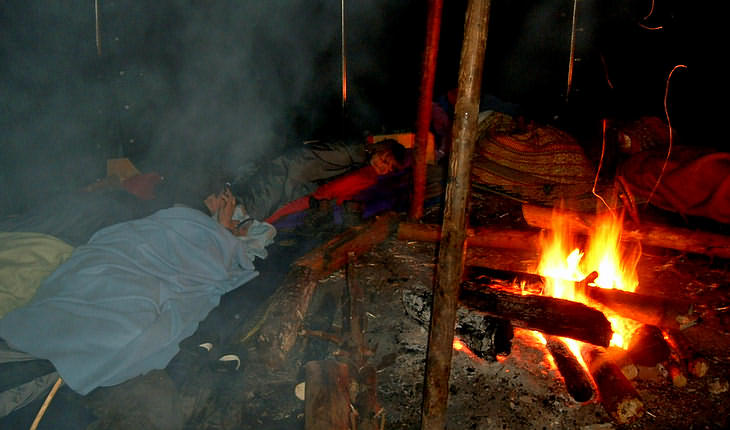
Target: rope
[(98, 27), (671, 133)]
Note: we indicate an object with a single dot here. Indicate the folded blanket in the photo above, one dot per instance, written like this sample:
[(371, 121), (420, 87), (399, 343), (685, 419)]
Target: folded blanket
[(26, 259), (120, 305)]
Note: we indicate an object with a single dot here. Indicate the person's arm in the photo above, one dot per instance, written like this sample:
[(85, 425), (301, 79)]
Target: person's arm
[(341, 189), (295, 206), (347, 186)]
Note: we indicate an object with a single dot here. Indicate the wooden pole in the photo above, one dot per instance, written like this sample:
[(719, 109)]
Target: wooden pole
[(450, 265), (423, 122)]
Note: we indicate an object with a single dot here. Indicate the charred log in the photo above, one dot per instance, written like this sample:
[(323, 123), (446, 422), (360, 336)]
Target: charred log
[(545, 314), (577, 381), (695, 364), (672, 314), (648, 346), (617, 395), (485, 336), (651, 310)]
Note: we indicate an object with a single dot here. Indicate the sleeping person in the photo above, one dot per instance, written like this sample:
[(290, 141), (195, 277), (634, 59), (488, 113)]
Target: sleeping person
[(323, 170), (120, 305)]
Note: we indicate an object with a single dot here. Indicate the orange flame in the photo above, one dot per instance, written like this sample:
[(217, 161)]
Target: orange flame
[(563, 263)]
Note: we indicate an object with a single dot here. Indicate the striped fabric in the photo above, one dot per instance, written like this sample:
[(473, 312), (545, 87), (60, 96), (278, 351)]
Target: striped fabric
[(529, 162)]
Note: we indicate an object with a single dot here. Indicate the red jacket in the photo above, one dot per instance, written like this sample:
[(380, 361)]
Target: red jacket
[(341, 189)]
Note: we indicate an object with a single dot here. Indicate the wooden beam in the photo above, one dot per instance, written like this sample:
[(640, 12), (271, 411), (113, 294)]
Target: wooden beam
[(662, 236), (360, 239), (450, 265), (277, 330), (480, 237), (327, 396)]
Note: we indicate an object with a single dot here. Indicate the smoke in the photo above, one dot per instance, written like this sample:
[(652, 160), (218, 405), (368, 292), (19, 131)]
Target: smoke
[(182, 87)]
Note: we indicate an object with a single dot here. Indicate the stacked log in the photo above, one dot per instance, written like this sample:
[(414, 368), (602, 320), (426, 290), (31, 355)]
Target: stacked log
[(577, 382), (694, 363), (547, 315), (616, 393), (277, 330), (662, 236)]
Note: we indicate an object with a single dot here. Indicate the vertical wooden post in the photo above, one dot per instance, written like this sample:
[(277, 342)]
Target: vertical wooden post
[(423, 122), (450, 266)]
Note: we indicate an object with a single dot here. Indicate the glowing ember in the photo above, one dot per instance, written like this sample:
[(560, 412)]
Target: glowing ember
[(460, 346)]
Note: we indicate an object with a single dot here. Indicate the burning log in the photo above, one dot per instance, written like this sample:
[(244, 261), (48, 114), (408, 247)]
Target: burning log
[(695, 363), (278, 329), (662, 236), (651, 310), (545, 314), (327, 396), (617, 395), (658, 311), (577, 381), (621, 358), (648, 346)]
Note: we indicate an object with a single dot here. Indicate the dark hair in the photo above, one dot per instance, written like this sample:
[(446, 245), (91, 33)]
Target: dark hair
[(399, 152)]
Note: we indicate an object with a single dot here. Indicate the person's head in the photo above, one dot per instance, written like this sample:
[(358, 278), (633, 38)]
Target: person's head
[(388, 156)]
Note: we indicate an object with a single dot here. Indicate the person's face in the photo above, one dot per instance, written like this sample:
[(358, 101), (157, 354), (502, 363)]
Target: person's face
[(383, 162)]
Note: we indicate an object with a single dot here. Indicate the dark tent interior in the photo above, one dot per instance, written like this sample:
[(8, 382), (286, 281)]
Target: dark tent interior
[(196, 92)]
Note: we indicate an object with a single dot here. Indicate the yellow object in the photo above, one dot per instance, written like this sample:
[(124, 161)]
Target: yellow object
[(408, 140), (121, 168)]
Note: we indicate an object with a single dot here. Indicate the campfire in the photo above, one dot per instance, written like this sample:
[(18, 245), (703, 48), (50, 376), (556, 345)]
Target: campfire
[(599, 273)]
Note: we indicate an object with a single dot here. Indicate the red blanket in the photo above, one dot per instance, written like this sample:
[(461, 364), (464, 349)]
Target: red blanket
[(695, 182)]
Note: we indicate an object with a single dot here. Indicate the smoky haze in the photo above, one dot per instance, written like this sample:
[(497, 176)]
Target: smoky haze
[(184, 88)]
